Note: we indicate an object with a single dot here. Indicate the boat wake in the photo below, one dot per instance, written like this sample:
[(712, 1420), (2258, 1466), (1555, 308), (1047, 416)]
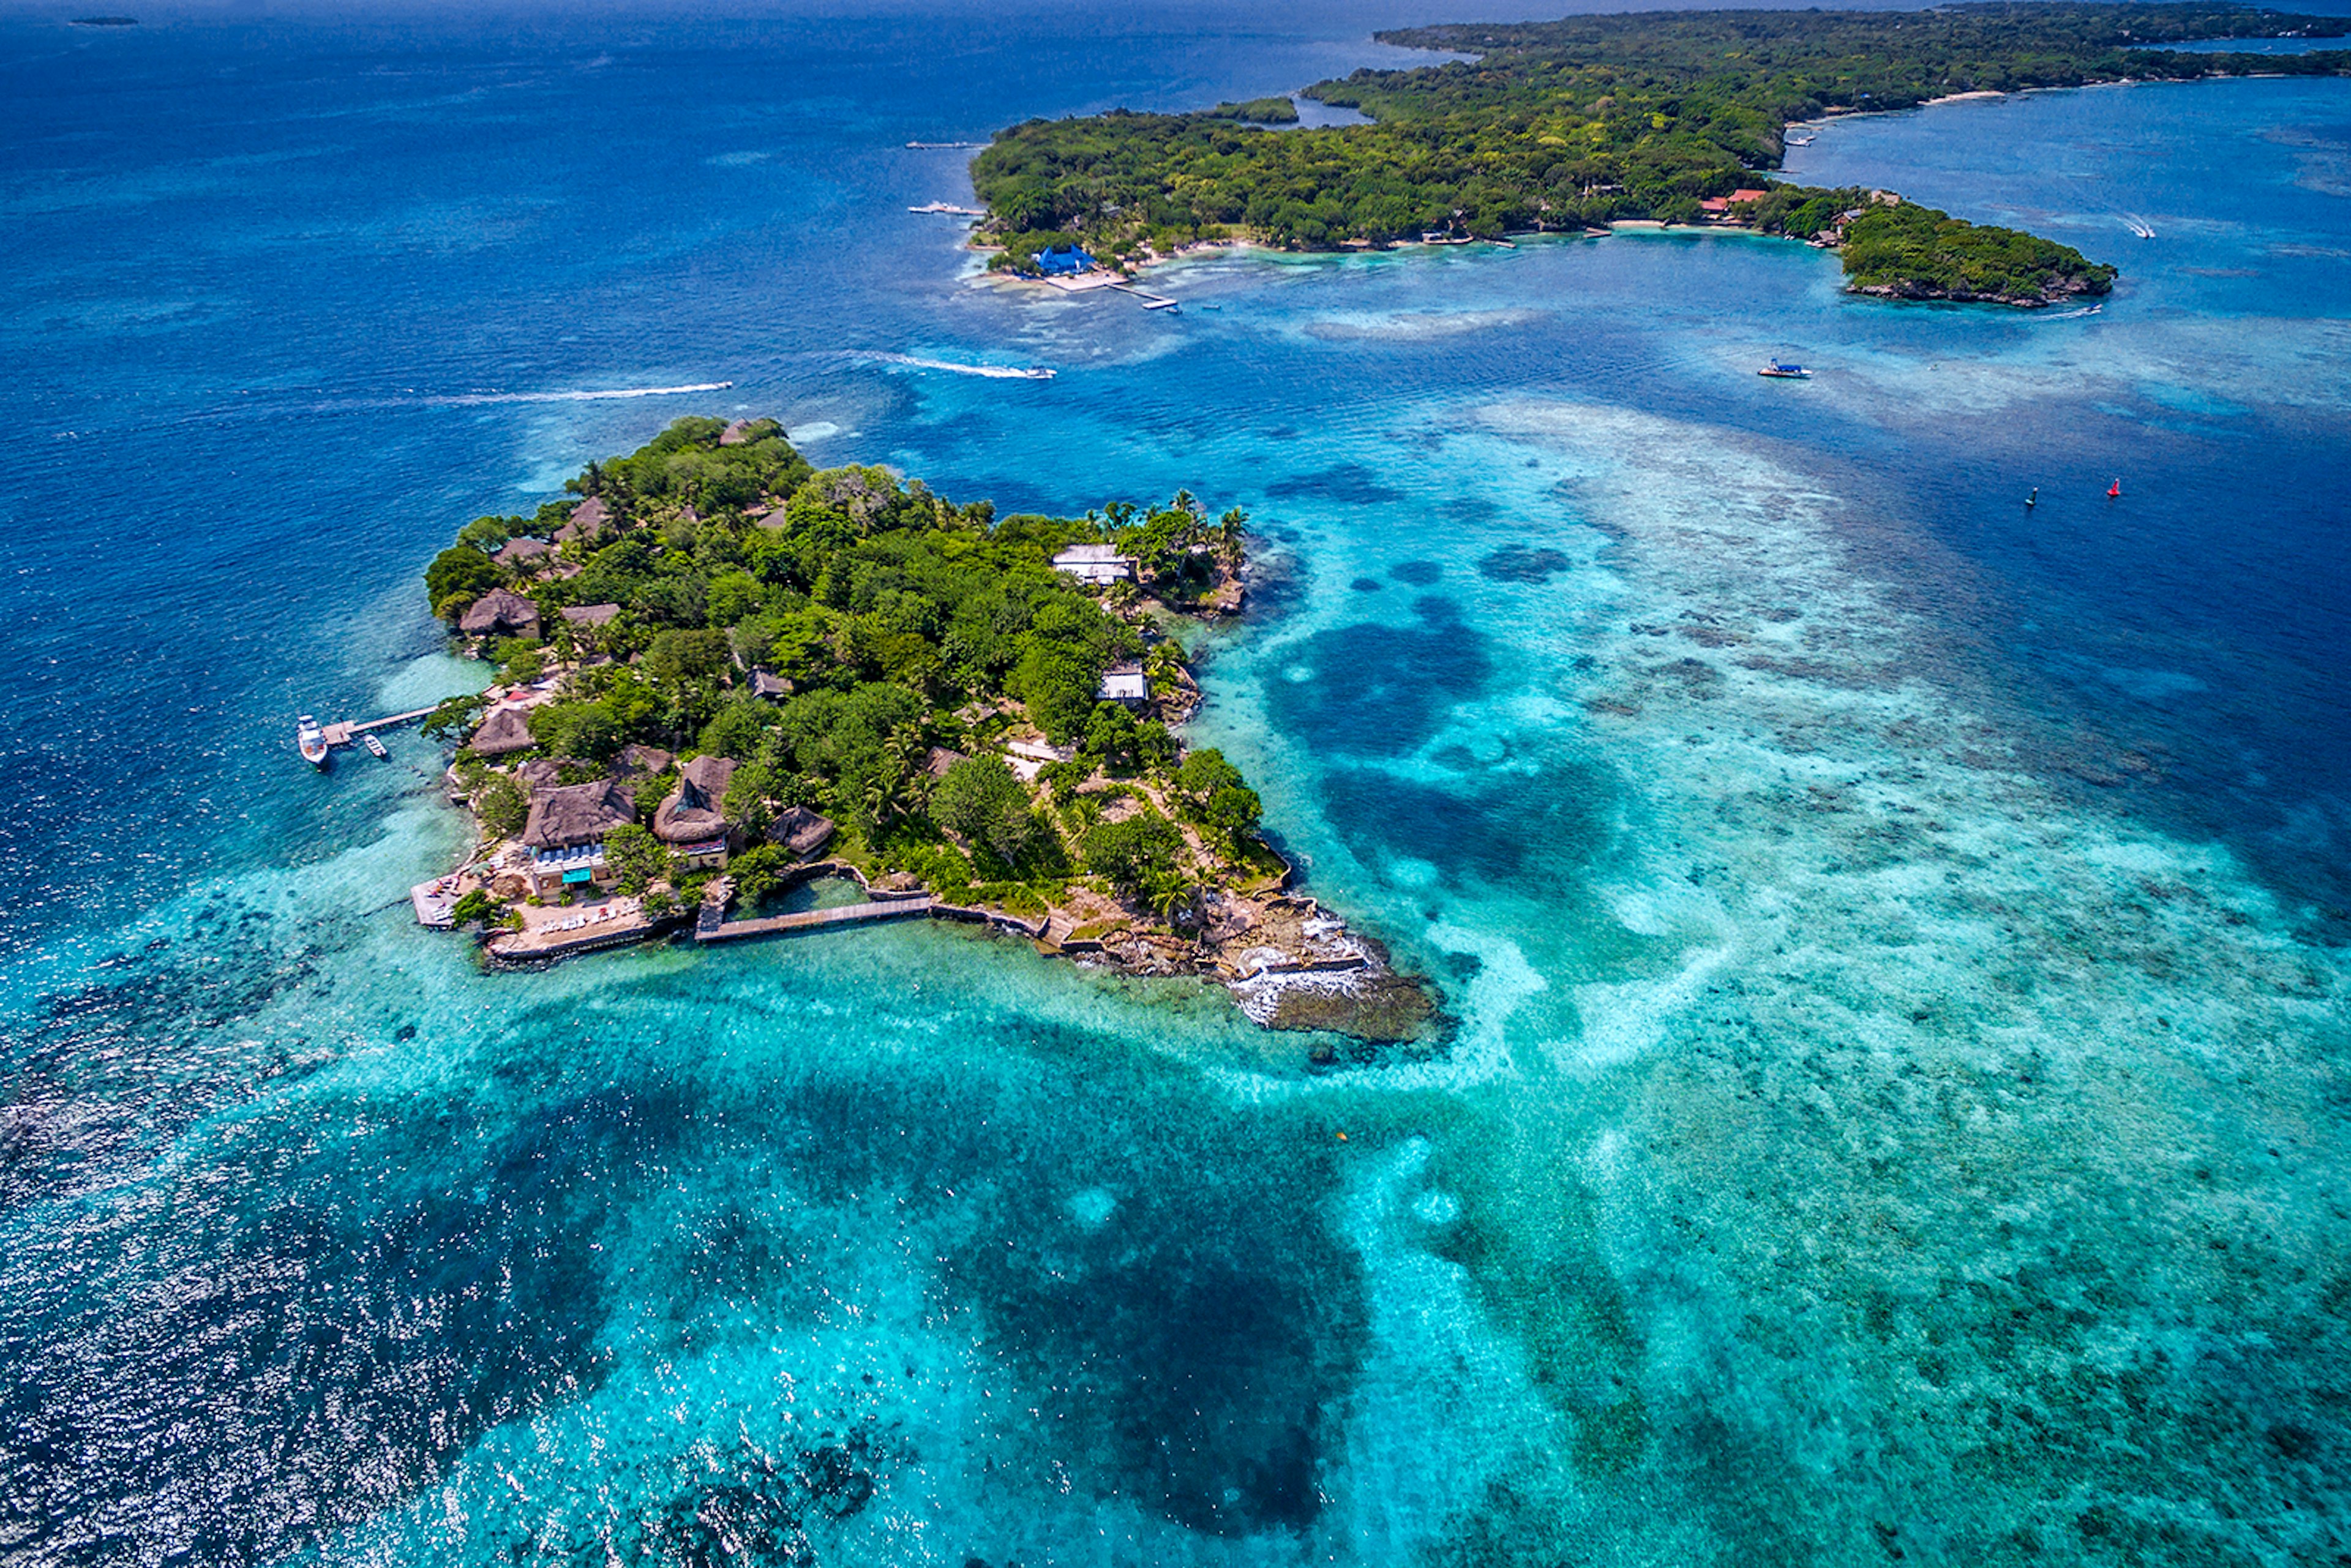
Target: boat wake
[(2138, 226), (994, 372), (2074, 315), (467, 399)]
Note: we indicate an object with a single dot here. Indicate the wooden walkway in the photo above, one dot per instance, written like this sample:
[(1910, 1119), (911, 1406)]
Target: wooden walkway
[(708, 930), (1150, 301), (343, 732)]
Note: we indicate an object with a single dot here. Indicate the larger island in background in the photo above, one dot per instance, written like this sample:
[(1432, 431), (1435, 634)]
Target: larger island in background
[(1667, 115), (724, 675)]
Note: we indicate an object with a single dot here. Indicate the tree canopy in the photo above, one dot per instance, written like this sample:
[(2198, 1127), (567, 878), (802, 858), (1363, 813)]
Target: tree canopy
[(1559, 125), (829, 631)]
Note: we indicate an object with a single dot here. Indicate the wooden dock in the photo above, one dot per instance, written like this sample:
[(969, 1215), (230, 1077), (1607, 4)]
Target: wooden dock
[(708, 930), (1150, 301), (345, 731)]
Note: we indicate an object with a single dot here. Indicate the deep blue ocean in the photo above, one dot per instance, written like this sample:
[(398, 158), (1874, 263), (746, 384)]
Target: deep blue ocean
[(1896, 941)]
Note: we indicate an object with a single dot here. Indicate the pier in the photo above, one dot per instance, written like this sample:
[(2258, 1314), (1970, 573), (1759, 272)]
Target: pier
[(710, 930), (1150, 301), (344, 732)]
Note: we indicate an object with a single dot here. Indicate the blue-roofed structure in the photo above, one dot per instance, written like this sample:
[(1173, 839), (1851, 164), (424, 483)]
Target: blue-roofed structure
[(1063, 261)]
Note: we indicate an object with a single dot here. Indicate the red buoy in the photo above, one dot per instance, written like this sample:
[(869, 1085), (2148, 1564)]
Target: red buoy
[(2115, 491)]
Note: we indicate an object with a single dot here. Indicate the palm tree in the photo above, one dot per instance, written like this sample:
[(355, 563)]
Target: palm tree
[(1230, 535), (1172, 894), (1163, 663)]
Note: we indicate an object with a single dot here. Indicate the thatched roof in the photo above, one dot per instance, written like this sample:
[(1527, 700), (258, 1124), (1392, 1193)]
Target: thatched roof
[(590, 614), (770, 686), (641, 762), (576, 814), (588, 520), (693, 810), (514, 552), (500, 612), (544, 772), (744, 430), (939, 760), (773, 517), (801, 831), (508, 729)]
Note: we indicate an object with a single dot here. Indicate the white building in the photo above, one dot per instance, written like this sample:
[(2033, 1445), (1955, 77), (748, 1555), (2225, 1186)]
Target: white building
[(1128, 687), (1096, 565)]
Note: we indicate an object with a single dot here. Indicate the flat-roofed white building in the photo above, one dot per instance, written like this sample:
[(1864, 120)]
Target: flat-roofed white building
[(1098, 565), (1129, 686)]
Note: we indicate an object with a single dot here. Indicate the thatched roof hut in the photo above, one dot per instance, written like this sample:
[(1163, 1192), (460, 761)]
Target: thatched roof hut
[(500, 612), (801, 831), (590, 614), (506, 730), (694, 812), (587, 521), (641, 762), (939, 760), (544, 772), (769, 685), (521, 552), (577, 815), (774, 516)]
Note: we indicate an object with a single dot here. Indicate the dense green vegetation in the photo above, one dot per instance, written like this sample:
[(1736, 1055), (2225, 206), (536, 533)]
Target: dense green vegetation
[(1559, 125), (1258, 111), (900, 625)]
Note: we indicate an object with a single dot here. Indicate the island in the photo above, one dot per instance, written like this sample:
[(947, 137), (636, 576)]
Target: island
[(1673, 117), (725, 679)]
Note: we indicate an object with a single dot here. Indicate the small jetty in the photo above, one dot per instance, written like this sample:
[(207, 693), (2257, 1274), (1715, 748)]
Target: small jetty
[(709, 929), (1150, 301), (352, 732)]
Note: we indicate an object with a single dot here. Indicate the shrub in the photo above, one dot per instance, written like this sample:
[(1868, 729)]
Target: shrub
[(1132, 853), (637, 859), (982, 803), (500, 801)]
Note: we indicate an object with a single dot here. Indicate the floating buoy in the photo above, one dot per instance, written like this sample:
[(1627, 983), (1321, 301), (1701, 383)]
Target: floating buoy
[(2033, 499), (2115, 491)]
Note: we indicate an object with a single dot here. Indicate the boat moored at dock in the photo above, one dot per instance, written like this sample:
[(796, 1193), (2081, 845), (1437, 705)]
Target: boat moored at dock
[(311, 740)]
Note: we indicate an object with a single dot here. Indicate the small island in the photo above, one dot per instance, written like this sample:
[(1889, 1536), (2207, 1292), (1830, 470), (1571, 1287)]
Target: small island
[(724, 678), (1670, 116)]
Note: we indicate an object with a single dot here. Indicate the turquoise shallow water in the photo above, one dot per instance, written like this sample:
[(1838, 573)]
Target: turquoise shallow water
[(1894, 942)]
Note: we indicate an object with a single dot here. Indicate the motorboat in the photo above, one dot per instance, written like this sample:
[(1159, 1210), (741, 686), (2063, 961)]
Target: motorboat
[(311, 740)]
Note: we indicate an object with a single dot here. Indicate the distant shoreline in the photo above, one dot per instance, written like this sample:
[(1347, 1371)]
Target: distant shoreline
[(1195, 249)]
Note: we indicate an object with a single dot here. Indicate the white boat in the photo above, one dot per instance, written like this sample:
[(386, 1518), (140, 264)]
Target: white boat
[(311, 740), (375, 747)]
